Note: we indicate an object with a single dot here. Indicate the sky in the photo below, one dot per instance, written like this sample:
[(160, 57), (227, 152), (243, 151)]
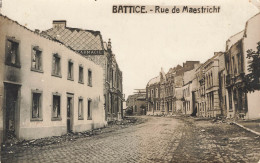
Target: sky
[(142, 43)]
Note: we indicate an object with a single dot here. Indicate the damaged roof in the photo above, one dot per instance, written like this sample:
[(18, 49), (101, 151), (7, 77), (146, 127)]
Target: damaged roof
[(76, 38), (154, 80)]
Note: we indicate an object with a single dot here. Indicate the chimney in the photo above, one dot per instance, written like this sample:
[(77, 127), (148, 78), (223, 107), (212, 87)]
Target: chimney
[(37, 31), (59, 23), (109, 47)]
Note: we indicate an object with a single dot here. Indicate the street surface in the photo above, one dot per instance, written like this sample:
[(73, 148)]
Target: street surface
[(159, 139)]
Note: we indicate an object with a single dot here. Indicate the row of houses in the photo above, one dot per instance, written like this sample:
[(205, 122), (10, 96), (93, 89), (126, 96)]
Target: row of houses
[(56, 81), (213, 88)]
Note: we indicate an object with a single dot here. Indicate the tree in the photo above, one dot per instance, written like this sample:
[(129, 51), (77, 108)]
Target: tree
[(252, 78)]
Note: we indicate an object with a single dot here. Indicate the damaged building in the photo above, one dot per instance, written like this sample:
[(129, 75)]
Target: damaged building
[(164, 93), (137, 102), (46, 87), (91, 45), (241, 104), (215, 88)]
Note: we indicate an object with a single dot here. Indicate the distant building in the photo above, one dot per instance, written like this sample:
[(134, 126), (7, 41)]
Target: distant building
[(46, 89), (206, 91), (164, 92), (153, 93), (90, 44), (137, 102), (187, 104)]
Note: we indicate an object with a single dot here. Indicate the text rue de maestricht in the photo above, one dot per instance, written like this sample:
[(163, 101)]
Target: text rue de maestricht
[(129, 9)]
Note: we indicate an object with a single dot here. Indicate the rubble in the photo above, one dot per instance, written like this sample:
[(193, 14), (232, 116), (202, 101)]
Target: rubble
[(12, 143)]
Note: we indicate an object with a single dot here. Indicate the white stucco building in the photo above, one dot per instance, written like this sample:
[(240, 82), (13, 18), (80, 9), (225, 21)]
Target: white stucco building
[(46, 89)]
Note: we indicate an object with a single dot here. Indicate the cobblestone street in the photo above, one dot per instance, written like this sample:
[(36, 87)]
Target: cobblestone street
[(159, 139)]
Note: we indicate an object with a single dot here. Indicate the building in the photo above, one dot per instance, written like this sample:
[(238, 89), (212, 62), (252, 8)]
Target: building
[(90, 44), (241, 104), (219, 83), (250, 40), (164, 92), (153, 94), (46, 89), (187, 92), (198, 92), (205, 91), (137, 102), (222, 73), (235, 67)]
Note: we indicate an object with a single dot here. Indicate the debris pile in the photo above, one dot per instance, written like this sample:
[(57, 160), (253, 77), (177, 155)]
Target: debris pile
[(13, 141)]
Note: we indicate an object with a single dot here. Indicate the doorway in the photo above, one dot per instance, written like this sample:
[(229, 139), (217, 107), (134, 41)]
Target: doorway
[(69, 112), (11, 111)]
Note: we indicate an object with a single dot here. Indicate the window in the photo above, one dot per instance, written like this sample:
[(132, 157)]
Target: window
[(89, 109), (89, 77), (56, 101), (230, 100), (80, 111), (56, 68), (81, 79), (239, 63), (233, 64), (36, 59), (70, 70), (227, 66), (211, 79), (36, 112), (112, 77), (12, 53)]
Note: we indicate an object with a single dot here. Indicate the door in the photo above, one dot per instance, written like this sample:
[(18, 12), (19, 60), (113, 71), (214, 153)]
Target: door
[(69, 112), (11, 110)]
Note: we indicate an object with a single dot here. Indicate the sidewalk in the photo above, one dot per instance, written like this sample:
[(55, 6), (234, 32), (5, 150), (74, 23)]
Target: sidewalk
[(250, 125)]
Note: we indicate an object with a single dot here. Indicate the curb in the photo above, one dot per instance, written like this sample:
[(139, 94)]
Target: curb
[(252, 131)]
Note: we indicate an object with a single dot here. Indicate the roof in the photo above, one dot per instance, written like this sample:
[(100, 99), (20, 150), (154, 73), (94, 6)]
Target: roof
[(234, 38), (141, 98), (154, 81), (76, 38), (43, 36)]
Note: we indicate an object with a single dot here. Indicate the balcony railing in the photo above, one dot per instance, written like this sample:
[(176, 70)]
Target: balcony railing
[(232, 79)]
